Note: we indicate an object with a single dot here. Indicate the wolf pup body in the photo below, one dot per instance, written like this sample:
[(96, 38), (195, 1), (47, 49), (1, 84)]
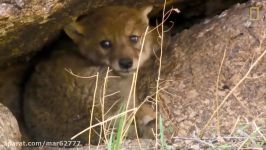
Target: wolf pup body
[(58, 104)]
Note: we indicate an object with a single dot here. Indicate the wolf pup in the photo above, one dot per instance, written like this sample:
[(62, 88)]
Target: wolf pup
[(58, 105)]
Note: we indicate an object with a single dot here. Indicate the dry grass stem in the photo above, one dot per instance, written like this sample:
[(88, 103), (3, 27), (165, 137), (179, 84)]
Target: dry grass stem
[(243, 106), (258, 131), (216, 94), (159, 73), (235, 125), (93, 104), (102, 103), (78, 76)]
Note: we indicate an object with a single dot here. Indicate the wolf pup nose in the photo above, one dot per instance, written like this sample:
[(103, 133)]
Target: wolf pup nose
[(125, 63)]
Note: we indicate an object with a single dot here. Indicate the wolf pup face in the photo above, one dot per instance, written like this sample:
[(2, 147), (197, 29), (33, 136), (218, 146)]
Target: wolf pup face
[(113, 36)]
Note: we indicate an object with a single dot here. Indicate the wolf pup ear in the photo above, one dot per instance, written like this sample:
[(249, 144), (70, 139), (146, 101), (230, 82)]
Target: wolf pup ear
[(74, 31), (145, 11)]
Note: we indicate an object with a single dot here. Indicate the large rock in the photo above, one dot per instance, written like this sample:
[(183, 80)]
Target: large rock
[(190, 93), (26, 26), (10, 135)]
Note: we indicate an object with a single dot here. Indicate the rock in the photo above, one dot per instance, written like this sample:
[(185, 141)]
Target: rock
[(11, 83), (9, 129), (194, 63), (26, 26)]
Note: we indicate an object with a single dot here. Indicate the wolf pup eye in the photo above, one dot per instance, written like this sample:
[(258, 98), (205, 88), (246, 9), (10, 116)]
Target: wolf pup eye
[(106, 44), (134, 38)]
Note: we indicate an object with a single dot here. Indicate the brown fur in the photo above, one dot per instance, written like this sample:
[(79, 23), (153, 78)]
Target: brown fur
[(58, 105)]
